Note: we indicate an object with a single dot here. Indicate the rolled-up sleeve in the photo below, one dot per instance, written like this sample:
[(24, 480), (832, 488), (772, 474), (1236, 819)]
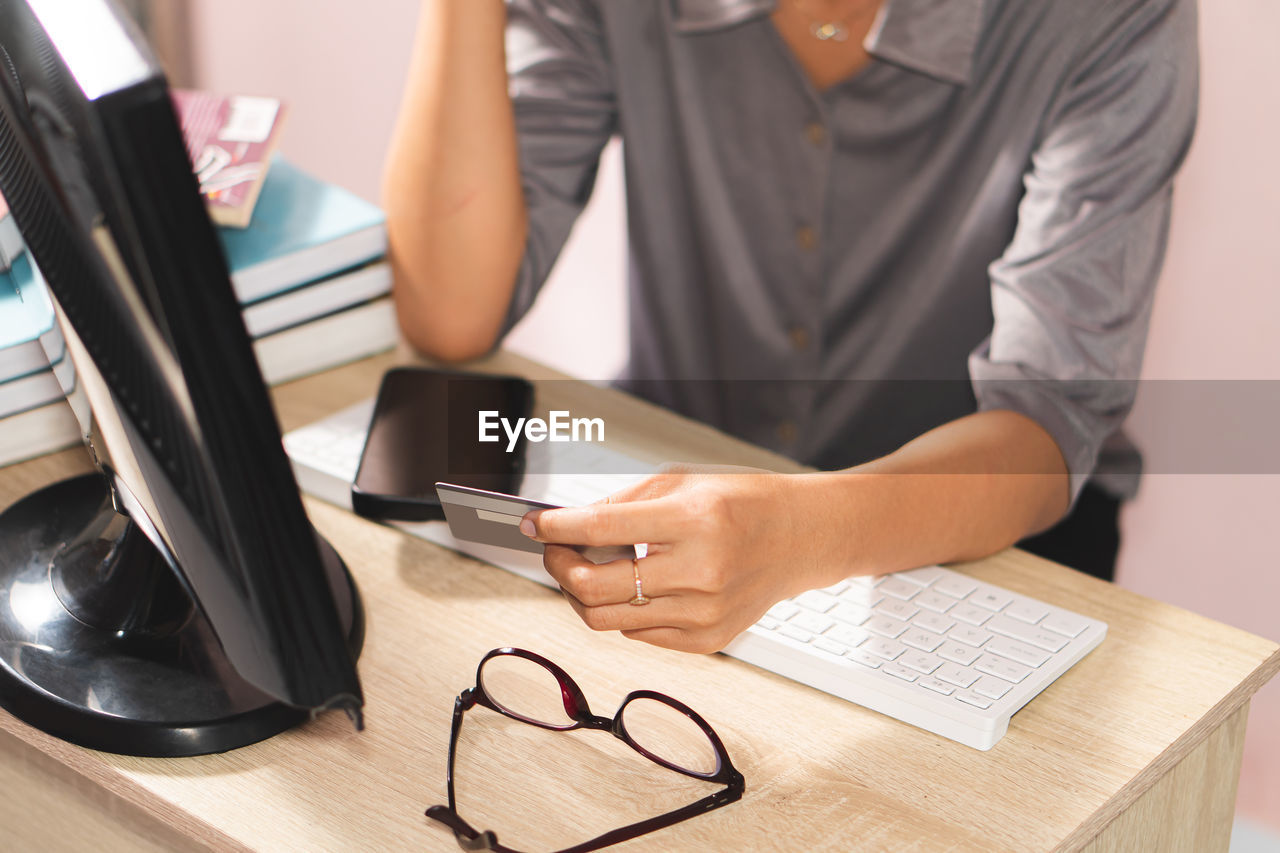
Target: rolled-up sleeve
[(1072, 294), (562, 93)]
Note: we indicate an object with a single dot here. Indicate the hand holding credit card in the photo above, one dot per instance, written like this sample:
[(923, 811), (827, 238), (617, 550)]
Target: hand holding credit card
[(493, 518)]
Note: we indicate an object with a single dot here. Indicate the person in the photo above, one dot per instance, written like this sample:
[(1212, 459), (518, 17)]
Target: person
[(912, 243)]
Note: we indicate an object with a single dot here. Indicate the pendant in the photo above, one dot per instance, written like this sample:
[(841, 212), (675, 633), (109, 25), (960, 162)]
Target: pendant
[(833, 31)]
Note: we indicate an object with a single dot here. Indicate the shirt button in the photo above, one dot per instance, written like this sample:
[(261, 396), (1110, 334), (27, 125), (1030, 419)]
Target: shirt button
[(806, 238), (816, 133), (799, 336), (787, 432)]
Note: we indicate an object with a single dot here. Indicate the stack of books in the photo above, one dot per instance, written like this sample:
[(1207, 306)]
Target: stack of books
[(309, 270), (307, 258), (35, 372)]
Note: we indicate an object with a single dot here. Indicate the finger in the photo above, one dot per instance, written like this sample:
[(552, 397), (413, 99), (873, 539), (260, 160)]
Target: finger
[(611, 583), (591, 583), (658, 613), (659, 520)]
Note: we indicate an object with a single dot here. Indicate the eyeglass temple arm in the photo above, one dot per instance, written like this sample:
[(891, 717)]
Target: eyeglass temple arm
[(468, 837), (731, 794), (466, 701)]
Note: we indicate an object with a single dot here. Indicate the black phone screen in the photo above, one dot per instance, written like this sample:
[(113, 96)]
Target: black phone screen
[(426, 429)]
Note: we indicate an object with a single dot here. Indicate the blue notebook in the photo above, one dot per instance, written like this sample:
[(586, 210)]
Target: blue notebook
[(302, 230), (29, 339)]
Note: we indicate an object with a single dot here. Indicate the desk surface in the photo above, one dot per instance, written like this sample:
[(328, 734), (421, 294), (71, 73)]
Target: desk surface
[(1145, 719)]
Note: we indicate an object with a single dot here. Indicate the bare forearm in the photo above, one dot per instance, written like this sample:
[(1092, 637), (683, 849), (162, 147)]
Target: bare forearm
[(455, 210), (962, 491)]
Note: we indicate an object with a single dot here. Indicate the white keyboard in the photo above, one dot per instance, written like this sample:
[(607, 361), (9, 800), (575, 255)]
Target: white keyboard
[(931, 647)]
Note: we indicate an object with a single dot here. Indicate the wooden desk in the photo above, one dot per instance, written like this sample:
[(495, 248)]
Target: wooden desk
[(1136, 748)]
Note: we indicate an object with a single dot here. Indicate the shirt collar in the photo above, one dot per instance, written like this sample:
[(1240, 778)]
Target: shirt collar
[(934, 37)]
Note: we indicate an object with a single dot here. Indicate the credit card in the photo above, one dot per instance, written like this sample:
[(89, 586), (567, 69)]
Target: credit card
[(492, 518)]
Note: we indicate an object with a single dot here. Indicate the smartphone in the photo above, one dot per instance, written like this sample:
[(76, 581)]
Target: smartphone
[(426, 429)]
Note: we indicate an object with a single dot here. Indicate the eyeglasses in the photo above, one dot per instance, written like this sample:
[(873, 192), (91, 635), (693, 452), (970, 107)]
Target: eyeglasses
[(529, 688)]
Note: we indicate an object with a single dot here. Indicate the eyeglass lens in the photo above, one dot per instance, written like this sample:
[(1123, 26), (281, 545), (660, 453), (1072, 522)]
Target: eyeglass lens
[(670, 735), (527, 689), (524, 688)]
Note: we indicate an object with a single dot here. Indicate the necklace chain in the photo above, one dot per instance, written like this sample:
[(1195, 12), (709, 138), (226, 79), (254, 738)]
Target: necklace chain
[(830, 29)]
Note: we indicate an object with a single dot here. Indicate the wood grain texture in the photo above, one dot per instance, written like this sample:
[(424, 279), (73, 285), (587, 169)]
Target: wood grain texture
[(1165, 691), (1190, 808)]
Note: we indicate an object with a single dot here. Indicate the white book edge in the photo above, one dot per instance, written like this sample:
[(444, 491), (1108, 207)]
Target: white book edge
[(37, 389), (315, 300), (37, 431), (328, 342), (320, 261), (32, 356)]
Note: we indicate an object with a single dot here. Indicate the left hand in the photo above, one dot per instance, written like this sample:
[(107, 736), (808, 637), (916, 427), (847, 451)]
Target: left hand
[(723, 546)]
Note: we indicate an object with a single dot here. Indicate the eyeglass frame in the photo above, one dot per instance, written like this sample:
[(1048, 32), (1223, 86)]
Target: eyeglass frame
[(575, 705)]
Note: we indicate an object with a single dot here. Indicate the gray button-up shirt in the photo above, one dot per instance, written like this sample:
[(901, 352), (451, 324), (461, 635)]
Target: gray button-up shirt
[(974, 221)]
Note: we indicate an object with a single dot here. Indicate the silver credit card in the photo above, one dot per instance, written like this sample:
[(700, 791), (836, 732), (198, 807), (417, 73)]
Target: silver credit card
[(492, 518)]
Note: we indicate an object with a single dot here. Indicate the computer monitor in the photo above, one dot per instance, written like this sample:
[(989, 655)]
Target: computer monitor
[(177, 601)]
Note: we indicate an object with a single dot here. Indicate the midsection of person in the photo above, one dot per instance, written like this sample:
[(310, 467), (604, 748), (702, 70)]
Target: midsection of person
[(840, 247)]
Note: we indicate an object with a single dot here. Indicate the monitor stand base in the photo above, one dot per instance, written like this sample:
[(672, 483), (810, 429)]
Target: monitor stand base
[(159, 686)]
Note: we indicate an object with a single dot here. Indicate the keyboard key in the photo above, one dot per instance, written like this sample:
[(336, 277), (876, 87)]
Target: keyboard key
[(1067, 624), (861, 596), (991, 687), (882, 648), (923, 576), (789, 630), (865, 658), (954, 585), (936, 686), (851, 614), (829, 646), (1028, 611), (969, 613), (897, 609), (958, 652), (1001, 668), (816, 600), (973, 699), (900, 671), (885, 626), (1037, 637), (837, 588), (969, 636), (935, 601), (814, 623), (847, 635), (918, 638), (960, 676), (768, 623), (784, 610), (920, 662), (991, 598), (935, 622), (898, 588), (1020, 652)]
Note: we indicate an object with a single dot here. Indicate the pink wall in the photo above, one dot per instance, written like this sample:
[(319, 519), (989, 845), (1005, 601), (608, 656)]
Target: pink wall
[(1208, 542), (1204, 542)]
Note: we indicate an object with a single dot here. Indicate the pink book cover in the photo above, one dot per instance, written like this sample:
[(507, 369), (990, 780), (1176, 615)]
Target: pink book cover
[(230, 139)]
